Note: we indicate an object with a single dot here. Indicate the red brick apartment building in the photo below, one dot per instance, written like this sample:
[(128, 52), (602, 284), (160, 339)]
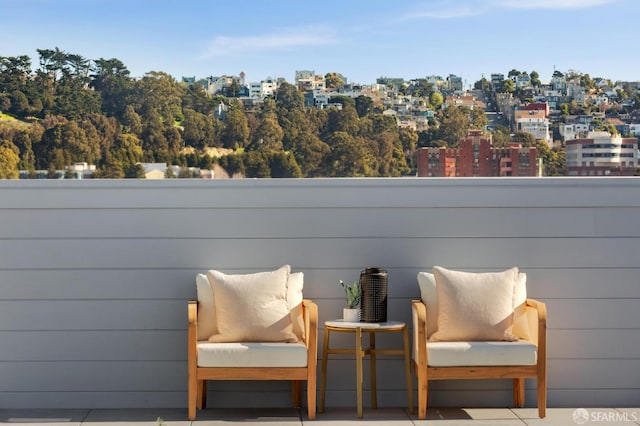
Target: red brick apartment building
[(477, 157)]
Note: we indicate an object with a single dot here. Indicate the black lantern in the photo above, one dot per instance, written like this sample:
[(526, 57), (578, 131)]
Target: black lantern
[(373, 304)]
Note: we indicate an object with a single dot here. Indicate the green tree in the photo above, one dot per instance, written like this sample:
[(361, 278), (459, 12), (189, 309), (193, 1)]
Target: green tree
[(508, 86), (127, 149), (158, 92), (310, 154), (155, 145), (535, 79), (131, 121), (524, 138), (198, 129), (236, 129), (477, 118), (364, 105), (288, 97), (268, 136), (482, 84), (454, 123), (134, 171), (348, 156), (436, 100), (553, 160), (233, 164), (113, 82), (344, 120), (421, 88), (9, 160), (284, 165), (256, 164), (334, 80)]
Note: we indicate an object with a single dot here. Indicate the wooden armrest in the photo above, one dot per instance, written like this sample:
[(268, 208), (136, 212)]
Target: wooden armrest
[(310, 318), (310, 315), (192, 336), (192, 312), (538, 324)]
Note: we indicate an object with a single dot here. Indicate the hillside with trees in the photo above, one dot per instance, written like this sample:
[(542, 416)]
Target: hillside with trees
[(72, 109)]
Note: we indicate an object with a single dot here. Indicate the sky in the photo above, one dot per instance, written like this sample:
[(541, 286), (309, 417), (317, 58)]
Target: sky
[(361, 39)]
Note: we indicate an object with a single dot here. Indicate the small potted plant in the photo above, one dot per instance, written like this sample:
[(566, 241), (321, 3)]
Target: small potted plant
[(352, 291)]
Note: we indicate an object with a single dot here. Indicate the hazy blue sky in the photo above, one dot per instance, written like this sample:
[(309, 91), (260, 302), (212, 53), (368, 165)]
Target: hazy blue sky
[(362, 39)]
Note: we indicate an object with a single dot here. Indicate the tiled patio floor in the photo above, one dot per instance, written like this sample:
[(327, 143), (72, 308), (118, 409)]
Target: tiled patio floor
[(332, 416)]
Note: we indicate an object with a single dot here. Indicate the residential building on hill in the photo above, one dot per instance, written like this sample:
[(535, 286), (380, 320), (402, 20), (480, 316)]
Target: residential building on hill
[(602, 154), (534, 122), (476, 157)]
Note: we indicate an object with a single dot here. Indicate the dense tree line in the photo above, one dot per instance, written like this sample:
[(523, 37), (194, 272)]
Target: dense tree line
[(71, 109)]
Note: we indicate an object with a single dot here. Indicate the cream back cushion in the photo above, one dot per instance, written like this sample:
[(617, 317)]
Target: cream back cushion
[(206, 308), (294, 303), (252, 307), (474, 306), (429, 296), (520, 323)]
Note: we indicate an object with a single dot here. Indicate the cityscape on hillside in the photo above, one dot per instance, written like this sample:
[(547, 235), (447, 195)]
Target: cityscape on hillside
[(596, 121), (321, 125)]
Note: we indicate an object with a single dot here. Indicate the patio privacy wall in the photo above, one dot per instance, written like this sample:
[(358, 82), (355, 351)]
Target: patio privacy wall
[(95, 276)]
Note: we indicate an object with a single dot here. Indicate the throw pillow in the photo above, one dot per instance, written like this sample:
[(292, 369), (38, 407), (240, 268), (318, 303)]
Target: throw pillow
[(474, 306), (252, 307)]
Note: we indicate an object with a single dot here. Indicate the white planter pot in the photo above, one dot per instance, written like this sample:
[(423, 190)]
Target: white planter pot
[(351, 315)]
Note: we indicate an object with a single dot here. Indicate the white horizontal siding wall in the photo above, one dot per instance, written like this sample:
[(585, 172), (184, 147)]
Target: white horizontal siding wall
[(95, 275)]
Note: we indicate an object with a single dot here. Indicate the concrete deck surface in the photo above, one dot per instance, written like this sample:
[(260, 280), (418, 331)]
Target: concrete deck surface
[(331, 416)]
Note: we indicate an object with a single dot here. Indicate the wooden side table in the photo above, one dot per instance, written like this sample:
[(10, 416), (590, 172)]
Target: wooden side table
[(358, 328)]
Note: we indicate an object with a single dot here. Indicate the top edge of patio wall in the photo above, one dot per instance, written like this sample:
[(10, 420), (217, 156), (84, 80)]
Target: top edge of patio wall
[(322, 193)]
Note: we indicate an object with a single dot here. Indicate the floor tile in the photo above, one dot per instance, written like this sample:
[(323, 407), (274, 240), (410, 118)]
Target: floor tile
[(141, 417), (346, 416), (49, 417), (469, 416), (632, 414), (273, 416), (574, 416)]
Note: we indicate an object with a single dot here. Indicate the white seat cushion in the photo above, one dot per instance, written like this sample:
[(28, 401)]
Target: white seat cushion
[(271, 354), (462, 354)]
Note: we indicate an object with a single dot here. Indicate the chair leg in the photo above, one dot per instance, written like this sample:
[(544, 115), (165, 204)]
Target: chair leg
[(193, 396), (542, 395), (518, 392), (202, 395), (423, 390), (311, 396), (296, 393)]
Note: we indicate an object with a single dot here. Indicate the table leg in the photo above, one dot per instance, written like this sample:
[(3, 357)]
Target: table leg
[(323, 374), (372, 361), (407, 368), (359, 356)]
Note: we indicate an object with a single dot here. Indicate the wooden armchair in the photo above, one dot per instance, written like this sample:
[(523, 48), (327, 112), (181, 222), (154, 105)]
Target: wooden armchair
[(448, 360), (252, 360)]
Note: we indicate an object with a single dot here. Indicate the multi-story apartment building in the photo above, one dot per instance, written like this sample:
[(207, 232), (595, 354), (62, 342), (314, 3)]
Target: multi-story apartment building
[(602, 154), (496, 80), (522, 81), (264, 88), (573, 131), (455, 83), (477, 157), (534, 122), (308, 80)]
